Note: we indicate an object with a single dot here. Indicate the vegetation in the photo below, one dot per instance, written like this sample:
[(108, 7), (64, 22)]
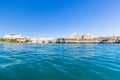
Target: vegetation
[(7, 40), (27, 41)]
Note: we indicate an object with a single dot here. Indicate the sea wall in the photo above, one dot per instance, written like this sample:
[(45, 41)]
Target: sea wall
[(94, 40)]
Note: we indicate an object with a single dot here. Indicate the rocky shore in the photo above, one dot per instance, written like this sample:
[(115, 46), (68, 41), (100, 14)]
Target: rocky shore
[(94, 40)]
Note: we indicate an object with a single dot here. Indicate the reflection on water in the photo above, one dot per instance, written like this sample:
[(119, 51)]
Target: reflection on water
[(59, 62)]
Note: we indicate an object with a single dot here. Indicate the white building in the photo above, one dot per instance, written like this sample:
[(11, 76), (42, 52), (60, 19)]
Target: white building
[(42, 40), (87, 36), (79, 36), (75, 36), (14, 36)]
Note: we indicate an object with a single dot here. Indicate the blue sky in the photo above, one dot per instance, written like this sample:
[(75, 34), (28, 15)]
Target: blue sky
[(59, 18)]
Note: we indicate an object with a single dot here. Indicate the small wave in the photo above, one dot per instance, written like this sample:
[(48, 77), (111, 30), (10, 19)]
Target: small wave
[(5, 57), (4, 65)]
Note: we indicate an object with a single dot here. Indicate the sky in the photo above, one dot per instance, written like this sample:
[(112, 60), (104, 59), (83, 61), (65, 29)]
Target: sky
[(59, 18)]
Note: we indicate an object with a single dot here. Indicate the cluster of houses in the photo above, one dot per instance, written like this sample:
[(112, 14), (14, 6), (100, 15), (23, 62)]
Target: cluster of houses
[(73, 38), (18, 37), (22, 38), (14, 36)]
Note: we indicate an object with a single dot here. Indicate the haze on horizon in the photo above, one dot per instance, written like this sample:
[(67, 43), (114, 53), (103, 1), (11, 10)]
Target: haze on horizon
[(56, 18)]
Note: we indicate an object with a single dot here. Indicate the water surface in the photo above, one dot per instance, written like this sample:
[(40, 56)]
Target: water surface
[(59, 61)]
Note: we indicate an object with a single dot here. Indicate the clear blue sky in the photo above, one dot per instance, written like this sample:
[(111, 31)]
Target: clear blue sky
[(54, 18)]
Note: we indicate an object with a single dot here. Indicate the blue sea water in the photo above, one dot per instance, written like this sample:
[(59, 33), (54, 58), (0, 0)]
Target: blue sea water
[(59, 61)]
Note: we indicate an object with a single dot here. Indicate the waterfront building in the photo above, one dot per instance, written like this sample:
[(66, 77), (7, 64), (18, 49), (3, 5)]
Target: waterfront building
[(42, 40), (80, 36), (86, 36), (75, 36)]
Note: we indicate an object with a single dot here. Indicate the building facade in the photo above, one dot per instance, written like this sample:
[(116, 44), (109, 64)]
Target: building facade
[(80, 36), (75, 36), (42, 40), (86, 36)]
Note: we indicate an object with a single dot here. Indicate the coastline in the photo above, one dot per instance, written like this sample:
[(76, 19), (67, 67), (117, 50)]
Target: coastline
[(94, 40)]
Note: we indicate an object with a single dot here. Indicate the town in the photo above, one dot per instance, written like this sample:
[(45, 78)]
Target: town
[(73, 38)]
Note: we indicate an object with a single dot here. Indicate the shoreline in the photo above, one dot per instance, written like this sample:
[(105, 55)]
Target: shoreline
[(59, 43), (95, 40)]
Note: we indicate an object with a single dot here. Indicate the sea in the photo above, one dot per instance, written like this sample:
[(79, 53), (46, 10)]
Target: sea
[(59, 61)]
